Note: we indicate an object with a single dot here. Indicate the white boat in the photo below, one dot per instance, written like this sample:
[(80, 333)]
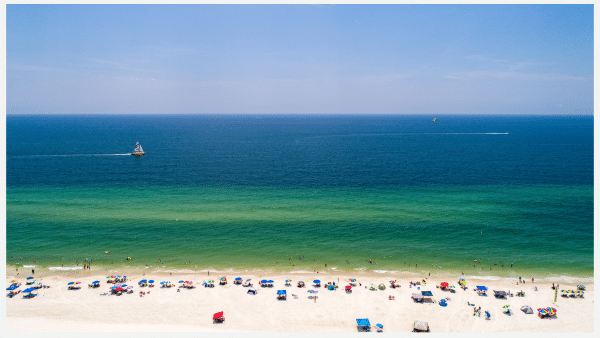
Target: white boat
[(138, 151)]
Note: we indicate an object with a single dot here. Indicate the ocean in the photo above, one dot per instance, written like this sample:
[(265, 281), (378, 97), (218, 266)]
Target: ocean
[(302, 193)]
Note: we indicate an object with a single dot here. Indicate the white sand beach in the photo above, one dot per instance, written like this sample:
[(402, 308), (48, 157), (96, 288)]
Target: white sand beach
[(58, 309)]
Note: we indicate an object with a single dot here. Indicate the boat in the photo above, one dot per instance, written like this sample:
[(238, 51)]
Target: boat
[(138, 151)]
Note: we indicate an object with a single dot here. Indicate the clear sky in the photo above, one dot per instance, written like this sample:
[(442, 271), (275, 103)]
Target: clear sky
[(300, 59)]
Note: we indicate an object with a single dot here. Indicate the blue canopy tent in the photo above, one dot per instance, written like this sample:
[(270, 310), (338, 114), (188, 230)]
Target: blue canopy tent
[(427, 293), (281, 292), (364, 322), (12, 287), (481, 288)]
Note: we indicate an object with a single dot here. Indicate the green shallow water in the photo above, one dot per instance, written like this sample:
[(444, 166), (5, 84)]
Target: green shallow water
[(269, 228)]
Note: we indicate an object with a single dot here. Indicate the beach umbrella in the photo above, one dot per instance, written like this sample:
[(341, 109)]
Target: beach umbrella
[(143, 281), (288, 280), (506, 306), (181, 281), (452, 287), (238, 278), (29, 277), (379, 326), (353, 280), (316, 281), (28, 290), (218, 315), (119, 288), (264, 281), (114, 287), (444, 284), (96, 282), (551, 309), (124, 285), (247, 280), (70, 283), (211, 281), (151, 281), (223, 278), (348, 287), (13, 281), (312, 291), (270, 281)]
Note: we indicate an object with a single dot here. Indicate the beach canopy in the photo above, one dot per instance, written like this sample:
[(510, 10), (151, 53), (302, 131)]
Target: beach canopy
[(316, 281), (527, 309), (481, 288), (427, 293), (28, 290), (444, 284), (281, 292), (500, 294), (218, 315), (363, 322), (422, 326)]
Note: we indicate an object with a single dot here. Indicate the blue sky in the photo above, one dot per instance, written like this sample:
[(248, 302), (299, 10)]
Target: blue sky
[(301, 59)]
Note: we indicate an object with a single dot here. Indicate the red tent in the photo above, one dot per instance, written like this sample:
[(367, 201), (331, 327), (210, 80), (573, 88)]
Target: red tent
[(444, 285), (348, 287), (218, 315)]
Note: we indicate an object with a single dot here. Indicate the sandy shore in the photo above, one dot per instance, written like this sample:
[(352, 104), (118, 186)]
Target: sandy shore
[(165, 310)]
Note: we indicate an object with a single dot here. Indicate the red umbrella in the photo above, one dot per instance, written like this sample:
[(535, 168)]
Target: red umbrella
[(119, 289), (348, 287), (218, 315), (444, 285)]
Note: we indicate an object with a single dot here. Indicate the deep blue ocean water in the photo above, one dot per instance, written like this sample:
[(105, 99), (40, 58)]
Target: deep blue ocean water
[(261, 191)]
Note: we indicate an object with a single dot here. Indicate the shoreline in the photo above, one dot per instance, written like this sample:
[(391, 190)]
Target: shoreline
[(167, 310), (78, 271)]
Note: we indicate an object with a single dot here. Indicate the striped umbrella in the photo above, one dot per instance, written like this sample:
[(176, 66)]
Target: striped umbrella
[(506, 306), (288, 280), (542, 311), (551, 310)]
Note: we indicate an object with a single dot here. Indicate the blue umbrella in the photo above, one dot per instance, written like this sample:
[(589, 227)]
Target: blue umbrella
[(124, 285), (29, 290), (71, 283), (96, 282), (316, 281), (264, 281), (162, 282), (151, 281), (29, 277), (144, 281), (270, 281), (239, 278), (281, 292), (379, 326), (114, 287), (181, 281)]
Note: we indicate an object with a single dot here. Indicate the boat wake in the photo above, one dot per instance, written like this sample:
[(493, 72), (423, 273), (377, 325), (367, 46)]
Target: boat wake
[(301, 140), (66, 155)]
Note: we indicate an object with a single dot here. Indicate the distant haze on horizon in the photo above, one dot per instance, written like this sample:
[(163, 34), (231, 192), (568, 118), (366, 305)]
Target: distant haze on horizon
[(300, 59)]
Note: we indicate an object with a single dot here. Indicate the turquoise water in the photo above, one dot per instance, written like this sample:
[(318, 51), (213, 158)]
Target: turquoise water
[(298, 193), (269, 228)]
